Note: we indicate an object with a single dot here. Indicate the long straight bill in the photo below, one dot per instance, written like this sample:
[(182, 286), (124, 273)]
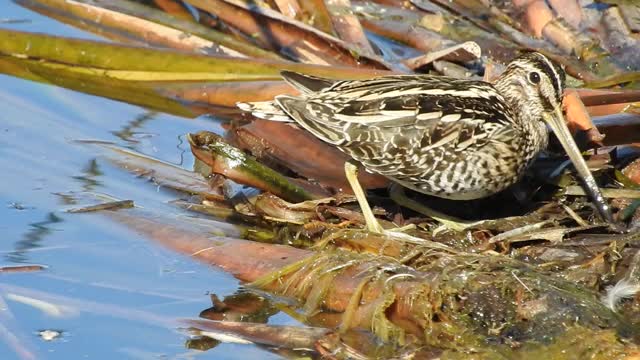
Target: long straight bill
[(559, 127)]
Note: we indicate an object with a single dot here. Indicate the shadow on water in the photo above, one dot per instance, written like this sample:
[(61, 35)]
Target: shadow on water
[(33, 239), (130, 132), (91, 173)]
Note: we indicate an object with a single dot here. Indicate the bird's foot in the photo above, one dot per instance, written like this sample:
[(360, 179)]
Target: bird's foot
[(450, 222), (351, 172)]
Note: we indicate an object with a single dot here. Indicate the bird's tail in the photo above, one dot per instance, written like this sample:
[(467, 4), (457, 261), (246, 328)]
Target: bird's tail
[(267, 110)]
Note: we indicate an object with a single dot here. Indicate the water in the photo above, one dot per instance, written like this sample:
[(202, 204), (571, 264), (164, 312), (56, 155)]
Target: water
[(118, 288)]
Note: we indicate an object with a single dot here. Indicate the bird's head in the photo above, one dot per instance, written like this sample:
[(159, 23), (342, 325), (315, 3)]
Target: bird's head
[(533, 85)]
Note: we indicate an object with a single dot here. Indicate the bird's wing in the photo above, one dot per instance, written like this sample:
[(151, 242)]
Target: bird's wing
[(424, 108), (306, 84)]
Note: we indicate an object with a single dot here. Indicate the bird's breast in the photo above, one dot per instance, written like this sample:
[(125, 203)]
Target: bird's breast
[(477, 171)]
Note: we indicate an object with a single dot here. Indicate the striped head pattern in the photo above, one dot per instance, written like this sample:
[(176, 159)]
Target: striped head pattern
[(532, 84)]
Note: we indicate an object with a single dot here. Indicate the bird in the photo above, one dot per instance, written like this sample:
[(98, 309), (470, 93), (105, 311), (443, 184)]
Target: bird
[(459, 139)]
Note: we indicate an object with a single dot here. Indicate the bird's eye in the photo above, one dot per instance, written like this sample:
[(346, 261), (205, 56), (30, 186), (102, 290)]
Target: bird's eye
[(534, 77)]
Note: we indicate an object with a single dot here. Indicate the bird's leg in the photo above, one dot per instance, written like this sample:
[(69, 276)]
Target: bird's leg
[(351, 172), (373, 225), (398, 195)]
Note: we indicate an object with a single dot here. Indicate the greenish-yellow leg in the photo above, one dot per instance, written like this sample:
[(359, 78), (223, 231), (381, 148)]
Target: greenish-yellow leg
[(351, 171), (399, 197)]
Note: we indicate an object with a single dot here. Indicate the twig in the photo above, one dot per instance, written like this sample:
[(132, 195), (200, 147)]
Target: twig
[(347, 25), (458, 53), (22, 268), (121, 204)]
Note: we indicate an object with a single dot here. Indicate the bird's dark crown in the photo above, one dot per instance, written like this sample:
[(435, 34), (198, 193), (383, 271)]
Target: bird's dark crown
[(550, 68)]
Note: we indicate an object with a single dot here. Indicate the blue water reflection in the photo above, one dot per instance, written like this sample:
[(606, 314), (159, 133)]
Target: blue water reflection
[(118, 289)]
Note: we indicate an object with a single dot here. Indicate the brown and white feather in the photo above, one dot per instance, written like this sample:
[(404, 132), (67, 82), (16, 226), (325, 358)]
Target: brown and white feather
[(452, 138)]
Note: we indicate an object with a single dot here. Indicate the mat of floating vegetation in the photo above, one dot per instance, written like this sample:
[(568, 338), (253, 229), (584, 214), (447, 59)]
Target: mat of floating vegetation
[(415, 299)]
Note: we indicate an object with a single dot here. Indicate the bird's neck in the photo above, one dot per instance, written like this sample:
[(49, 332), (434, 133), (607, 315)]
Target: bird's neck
[(525, 119), (513, 91)]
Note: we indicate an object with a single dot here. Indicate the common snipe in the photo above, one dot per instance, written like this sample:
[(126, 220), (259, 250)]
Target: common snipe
[(447, 137)]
